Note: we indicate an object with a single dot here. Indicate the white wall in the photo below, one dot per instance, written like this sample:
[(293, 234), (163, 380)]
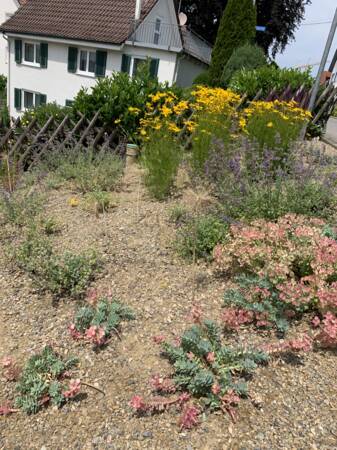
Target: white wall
[(59, 85), (188, 69), (7, 8), (169, 30)]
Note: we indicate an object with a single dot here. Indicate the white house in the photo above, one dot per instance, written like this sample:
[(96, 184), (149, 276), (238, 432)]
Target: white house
[(7, 9), (58, 46)]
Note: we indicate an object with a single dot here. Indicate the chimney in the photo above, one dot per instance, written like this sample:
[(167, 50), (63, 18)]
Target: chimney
[(138, 9)]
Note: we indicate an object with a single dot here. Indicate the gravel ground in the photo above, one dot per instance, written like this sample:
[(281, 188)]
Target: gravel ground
[(298, 397)]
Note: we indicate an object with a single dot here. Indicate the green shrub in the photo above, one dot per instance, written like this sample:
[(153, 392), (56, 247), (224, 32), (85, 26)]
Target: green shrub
[(178, 215), (43, 112), (237, 27), (267, 78), (68, 274), (20, 208), (120, 98), (246, 57), (203, 79), (86, 169), (161, 156), (98, 201), (199, 236)]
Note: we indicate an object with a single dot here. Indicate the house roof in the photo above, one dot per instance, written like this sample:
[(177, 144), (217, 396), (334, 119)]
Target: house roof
[(106, 21)]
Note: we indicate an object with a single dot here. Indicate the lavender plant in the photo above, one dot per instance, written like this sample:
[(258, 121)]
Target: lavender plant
[(251, 184)]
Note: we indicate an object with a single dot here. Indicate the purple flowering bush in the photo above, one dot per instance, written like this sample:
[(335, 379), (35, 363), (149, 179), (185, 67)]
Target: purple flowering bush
[(251, 184)]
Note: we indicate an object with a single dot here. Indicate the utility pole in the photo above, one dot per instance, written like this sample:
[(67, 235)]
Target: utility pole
[(323, 62)]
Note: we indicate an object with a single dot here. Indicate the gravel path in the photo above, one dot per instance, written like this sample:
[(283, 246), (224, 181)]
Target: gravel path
[(298, 398)]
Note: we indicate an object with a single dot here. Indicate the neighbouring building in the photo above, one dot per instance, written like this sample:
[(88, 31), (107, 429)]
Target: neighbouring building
[(57, 47), (7, 9)]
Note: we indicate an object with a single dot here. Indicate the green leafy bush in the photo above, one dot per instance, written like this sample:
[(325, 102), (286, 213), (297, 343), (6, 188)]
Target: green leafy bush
[(68, 274), (198, 237), (86, 169), (203, 79), (246, 57), (267, 78), (42, 381), (161, 156), (43, 112), (120, 99), (20, 208)]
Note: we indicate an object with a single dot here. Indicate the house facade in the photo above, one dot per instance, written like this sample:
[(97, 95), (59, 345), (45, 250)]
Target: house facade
[(55, 48), (7, 9)]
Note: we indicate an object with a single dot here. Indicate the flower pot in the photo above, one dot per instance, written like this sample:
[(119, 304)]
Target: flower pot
[(132, 152)]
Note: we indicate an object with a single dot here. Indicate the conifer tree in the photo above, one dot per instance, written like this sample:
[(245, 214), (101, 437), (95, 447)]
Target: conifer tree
[(237, 27)]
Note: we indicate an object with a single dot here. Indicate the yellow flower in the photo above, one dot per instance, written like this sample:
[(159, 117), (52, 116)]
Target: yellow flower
[(270, 124), (174, 128), (143, 132), (118, 121), (133, 110), (73, 202), (166, 111)]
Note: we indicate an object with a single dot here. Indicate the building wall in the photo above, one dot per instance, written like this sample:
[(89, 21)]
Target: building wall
[(7, 8), (59, 85), (187, 70)]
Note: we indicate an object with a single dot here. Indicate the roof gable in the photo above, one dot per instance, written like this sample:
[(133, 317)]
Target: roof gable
[(106, 21)]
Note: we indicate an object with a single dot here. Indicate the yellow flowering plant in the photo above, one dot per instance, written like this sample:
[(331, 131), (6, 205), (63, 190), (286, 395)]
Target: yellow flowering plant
[(275, 123)]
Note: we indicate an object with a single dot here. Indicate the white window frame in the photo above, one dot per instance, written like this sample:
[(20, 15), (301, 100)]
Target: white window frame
[(132, 65), (26, 91), (85, 72), (157, 33), (30, 63), (23, 92)]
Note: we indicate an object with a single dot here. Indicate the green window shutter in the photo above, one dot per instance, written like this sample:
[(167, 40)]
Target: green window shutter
[(126, 63), (17, 99), (72, 59), (154, 66), (101, 58), (18, 51), (40, 99), (44, 55)]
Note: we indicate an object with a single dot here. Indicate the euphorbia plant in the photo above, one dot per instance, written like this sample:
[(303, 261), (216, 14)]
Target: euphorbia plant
[(97, 322), (44, 380)]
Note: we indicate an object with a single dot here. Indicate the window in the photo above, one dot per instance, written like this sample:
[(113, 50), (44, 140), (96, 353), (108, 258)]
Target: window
[(28, 99), (130, 65), (87, 62), (157, 27), (136, 62), (32, 53)]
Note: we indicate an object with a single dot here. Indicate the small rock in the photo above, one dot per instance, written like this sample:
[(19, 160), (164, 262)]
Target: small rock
[(148, 434)]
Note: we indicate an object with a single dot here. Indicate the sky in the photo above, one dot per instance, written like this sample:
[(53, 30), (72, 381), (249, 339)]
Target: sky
[(310, 39)]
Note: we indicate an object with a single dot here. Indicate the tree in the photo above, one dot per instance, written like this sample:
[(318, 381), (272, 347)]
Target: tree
[(246, 57), (237, 27), (281, 17)]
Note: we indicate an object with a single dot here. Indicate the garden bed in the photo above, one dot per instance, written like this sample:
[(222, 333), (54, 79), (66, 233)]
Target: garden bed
[(293, 400)]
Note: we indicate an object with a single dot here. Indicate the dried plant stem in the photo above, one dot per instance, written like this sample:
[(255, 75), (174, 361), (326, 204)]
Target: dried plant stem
[(93, 387)]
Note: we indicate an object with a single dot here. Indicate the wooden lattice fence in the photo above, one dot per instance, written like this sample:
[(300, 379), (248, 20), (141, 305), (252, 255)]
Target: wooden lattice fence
[(27, 143)]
